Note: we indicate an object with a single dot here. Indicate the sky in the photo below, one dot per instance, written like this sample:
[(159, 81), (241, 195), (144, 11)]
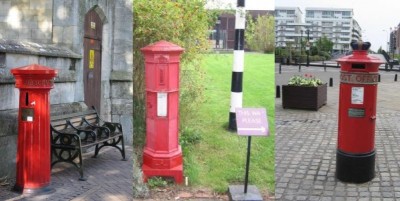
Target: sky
[(375, 17), (250, 4)]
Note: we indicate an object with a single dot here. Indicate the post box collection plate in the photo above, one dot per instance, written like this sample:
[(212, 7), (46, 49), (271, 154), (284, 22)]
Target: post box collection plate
[(356, 112), (27, 114)]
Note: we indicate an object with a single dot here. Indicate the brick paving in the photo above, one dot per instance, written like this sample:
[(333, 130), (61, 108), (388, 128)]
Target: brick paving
[(305, 146), (108, 178)]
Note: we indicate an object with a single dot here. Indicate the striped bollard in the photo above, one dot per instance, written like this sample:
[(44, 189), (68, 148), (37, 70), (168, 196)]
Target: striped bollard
[(238, 64)]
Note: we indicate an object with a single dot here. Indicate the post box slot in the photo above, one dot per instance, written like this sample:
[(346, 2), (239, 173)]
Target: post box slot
[(358, 66), (161, 76), (27, 114)]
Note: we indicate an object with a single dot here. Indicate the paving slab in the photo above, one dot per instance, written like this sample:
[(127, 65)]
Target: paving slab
[(108, 178)]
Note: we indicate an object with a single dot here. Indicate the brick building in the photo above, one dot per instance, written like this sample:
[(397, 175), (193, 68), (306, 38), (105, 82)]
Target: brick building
[(61, 34)]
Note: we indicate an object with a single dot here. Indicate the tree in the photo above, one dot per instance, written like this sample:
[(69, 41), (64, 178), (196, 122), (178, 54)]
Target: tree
[(324, 44), (380, 50), (260, 33)]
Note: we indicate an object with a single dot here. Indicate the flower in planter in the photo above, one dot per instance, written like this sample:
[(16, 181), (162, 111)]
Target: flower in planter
[(308, 81)]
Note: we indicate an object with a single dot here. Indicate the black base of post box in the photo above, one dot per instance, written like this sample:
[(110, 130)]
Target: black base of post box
[(355, 168)]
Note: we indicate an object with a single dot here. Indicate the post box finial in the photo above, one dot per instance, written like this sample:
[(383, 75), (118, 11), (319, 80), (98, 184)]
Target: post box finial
[(360, 45)]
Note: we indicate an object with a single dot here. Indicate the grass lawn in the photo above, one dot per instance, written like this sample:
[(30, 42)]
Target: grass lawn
[(219, 159)]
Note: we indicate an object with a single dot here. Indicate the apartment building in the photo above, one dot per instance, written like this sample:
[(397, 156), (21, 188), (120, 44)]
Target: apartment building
[(289, 28), (337, 24), (394, 40)]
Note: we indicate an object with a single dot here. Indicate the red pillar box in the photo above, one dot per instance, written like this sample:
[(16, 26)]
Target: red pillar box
[(33, 149), (162, 153), (355, 158)]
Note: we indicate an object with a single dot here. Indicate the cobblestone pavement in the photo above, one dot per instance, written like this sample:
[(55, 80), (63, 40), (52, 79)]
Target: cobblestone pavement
[(108, 178), (305, 154)]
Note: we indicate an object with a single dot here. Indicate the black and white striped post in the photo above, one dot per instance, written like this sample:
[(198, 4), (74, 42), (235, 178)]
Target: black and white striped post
[(238, 64)]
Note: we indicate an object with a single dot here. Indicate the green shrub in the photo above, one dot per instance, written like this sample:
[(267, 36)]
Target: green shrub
[(155, 182), (189, 137), (325, 55)]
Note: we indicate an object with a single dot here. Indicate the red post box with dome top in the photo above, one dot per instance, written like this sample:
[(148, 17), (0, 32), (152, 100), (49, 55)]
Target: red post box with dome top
[(33, 147), (355, 158), (162, 154)]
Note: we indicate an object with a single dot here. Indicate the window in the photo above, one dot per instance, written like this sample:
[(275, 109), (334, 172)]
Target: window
[(2, 60), (327, 14), (290, 12), (310, 14), (346, 13)]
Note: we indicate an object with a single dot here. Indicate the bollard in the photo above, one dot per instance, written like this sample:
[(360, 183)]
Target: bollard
[(325, 67), (379, 78), (331, 82), (280, 68), (278, 91), (395, 77), (299, 67)]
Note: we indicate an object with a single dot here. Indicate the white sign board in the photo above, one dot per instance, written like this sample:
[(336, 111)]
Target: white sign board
[(162, 102), (357, 95)]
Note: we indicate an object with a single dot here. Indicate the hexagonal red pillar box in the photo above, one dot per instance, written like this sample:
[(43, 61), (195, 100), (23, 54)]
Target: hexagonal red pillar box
[(33, 149), (162, 153)]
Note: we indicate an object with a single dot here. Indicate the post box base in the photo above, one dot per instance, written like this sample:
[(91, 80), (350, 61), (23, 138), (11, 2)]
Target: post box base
[(355, 168), (176, 173), (34, 191)]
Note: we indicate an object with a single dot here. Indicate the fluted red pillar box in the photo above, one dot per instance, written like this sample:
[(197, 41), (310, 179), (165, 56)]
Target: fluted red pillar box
[(162, 154), (33, 147), (355, 158)]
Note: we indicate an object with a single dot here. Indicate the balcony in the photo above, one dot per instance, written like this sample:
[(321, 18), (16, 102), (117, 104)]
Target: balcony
[(289, 40)]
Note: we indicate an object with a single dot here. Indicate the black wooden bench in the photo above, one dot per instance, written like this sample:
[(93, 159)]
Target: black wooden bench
[(71, 133)]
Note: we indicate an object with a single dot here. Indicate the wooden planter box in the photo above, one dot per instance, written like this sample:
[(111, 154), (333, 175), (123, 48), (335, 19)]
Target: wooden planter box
[(299, 97)]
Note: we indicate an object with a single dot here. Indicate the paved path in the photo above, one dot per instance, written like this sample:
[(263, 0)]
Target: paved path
[(305, 146), (108, 178)]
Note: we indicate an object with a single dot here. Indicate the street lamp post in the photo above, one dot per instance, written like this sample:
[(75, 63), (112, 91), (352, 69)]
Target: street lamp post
[(387, 40), (301, 42), (308, 47), (393, 40)]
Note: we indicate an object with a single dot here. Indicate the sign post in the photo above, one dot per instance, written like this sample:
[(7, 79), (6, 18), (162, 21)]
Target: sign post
[(250, 122)]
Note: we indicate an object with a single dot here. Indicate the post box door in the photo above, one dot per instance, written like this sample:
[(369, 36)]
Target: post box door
[(92, 59)]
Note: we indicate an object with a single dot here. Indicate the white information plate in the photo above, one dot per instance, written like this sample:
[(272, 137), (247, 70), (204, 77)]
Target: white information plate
[(357, 95), (162, 102)]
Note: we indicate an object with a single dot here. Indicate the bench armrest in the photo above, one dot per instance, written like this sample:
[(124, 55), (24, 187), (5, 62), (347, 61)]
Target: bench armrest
[(87, 134), (104, 131), (61, 138), (114, 127)]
